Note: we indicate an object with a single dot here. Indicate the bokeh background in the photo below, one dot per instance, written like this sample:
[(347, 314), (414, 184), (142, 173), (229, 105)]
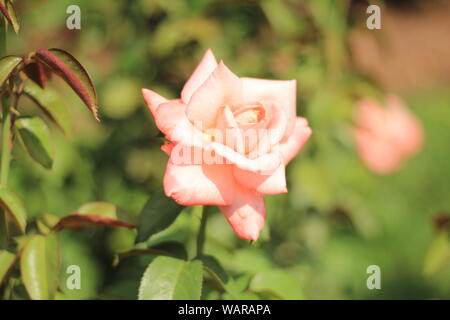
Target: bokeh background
[(338, 217)]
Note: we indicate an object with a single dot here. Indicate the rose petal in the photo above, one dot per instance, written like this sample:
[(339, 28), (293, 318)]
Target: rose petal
[(167, 147), (221, 88), (378, 155), (246, 214), (169, 115), (227, 130), (292, 146), (272, 135), (170, 118), (372, 116), (265, 164), (203, 70), (152, 99), (274, 183), (199, 184), (282, 92), (407, 131)]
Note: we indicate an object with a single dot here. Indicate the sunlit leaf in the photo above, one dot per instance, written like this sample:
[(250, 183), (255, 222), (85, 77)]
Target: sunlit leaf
[(53, 262), (39, 266), (12, 204), (51, 104), (8, 11), (7, 65), (7, 261), (46, 222), (36, 139), (151, 219), (168, 278), (72, 72), (277, 283)]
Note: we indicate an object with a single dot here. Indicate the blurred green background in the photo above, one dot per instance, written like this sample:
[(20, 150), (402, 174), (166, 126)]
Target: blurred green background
[(337, 219)]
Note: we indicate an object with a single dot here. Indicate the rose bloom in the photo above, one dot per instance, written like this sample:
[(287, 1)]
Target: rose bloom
[(386, 136), (229, 140)]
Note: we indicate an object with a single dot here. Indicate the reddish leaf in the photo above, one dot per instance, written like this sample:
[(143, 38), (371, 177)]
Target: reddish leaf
[(7, 9), (36, 72), (75, 220), (73, 73)]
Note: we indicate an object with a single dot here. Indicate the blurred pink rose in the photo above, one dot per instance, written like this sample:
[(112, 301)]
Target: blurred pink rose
[(386, 136), (229, 140)]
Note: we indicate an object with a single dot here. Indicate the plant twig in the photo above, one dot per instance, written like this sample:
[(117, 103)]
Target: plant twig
[(202, 230)]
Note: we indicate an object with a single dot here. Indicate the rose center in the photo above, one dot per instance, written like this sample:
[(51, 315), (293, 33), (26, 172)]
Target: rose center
[(249, 115)]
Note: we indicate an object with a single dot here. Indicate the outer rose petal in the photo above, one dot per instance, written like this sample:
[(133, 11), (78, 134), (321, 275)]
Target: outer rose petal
[(167, 147), (169, 115), (246, 214), (282, 92), (153, 100), (171, 119), (191, 185), (221, 88), (203, 70), (296, 141), (264, 184)]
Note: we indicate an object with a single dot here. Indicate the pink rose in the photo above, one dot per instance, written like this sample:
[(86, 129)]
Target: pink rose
[(229, 140), (386, 136)]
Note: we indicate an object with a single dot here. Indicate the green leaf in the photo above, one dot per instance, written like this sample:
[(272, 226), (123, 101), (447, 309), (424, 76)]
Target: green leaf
[(72, 72), (168, 278), (53, 262), (51, 104), (40, 266), (278, 283), (158, 213), (36, 140), (7, 9), (7, 66), (438, 254), (12, 204), (218, 275), (7, 262)]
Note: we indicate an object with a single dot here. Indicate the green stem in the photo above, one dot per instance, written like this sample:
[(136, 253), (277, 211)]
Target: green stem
[(5, 157), (202, 230), (6, 140), (4, 230), (3, 32)]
